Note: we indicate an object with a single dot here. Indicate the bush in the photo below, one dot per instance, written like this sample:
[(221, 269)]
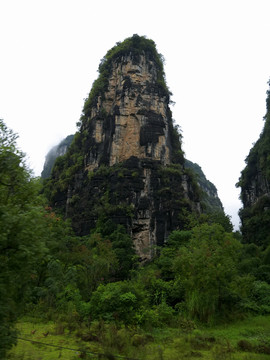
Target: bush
[(158, 316), (119, 301)]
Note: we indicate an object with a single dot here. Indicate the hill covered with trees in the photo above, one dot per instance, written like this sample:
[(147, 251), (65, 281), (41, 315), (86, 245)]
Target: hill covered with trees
[(255, 191)]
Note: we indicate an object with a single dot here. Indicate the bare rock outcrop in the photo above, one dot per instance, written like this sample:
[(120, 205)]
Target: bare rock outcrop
[(132, 118)]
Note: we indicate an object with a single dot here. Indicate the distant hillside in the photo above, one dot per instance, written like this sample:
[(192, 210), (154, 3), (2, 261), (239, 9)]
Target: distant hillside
[(210, 196), (53, 154)]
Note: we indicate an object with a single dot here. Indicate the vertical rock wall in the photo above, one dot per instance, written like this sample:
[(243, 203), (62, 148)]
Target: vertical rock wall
[(132, 117)]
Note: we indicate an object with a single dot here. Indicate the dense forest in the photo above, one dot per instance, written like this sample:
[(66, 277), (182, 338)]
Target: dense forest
[(94, 286)]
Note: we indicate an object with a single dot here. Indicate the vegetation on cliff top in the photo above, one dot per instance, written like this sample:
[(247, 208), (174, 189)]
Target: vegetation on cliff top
[(134, 46)]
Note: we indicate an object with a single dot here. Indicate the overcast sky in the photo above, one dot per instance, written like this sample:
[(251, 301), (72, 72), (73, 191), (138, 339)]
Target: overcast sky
[(217, 66)]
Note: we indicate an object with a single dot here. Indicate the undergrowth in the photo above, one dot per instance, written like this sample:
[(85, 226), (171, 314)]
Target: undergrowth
[(248, 339)]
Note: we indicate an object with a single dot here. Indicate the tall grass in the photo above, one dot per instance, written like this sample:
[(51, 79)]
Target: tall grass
[(243, 340)]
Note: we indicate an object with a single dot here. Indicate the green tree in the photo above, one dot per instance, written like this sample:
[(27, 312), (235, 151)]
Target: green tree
[(122, 246), (206, 265), (118, 301), (95, 262), (22, 235)]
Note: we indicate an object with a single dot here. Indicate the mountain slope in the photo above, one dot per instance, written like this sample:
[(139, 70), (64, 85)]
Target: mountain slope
[(255, 188)]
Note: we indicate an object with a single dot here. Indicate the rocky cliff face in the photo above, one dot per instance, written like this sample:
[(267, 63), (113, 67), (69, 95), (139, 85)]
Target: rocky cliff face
[(132, 118), (255, 188), (211, 199), (126, 162)]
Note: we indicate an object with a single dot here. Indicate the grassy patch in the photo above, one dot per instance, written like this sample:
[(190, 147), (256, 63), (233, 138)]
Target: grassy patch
[(243, 340), (255, 329), (46, 341)]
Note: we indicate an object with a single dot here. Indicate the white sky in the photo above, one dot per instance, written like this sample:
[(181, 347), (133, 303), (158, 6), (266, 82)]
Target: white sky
[(217, 66)]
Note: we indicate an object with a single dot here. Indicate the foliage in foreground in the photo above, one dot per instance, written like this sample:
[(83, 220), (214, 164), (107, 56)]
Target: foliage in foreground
[(22, 236), (246, 339)]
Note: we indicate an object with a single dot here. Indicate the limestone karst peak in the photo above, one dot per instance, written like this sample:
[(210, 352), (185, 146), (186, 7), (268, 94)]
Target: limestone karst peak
[(126, 163)]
